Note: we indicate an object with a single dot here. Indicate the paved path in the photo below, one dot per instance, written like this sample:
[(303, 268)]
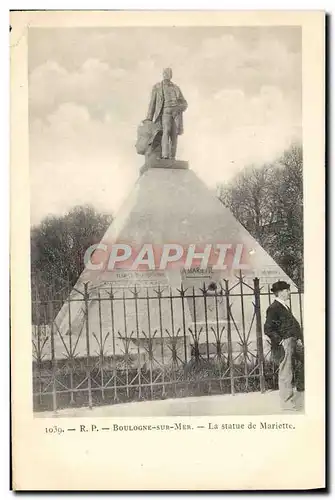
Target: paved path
[(253, 403)]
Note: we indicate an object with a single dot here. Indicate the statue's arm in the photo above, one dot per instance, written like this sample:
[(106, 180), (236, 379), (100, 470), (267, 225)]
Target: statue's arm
[(182, 101), (152, 104)]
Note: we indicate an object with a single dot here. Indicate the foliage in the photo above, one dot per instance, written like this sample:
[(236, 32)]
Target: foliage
[(58, 246), (198, 378), (268, 202)]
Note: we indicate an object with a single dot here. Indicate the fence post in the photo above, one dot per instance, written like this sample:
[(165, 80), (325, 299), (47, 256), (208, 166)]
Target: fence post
[(101, 352), (182, 295), (39, 351), (174, 343), (53, 359), (273, 367), (245, 339), (150, 346), (126, 341), (88, 368), (259, 335), (135, 294), (204, 291), (111, 295), (300, 310), (230, 345), (72, 363), (159, 293)]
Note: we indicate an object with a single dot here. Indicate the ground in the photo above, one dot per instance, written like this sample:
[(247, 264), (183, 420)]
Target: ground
[(253, 403)]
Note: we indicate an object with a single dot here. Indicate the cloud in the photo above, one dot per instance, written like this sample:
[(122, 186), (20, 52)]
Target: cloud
[(77, 160), (238, 130), (93, 85), (236, 61), (88, 91)]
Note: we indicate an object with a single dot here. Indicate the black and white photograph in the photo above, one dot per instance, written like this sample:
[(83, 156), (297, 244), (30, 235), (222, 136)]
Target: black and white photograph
[(167, 250), (166, 187)]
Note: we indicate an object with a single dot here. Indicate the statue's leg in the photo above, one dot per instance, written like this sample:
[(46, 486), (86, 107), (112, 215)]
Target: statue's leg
[(166, 125), (174, 139)]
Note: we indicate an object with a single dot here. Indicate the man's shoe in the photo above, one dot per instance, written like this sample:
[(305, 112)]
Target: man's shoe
[(291, 408), (299, 400)]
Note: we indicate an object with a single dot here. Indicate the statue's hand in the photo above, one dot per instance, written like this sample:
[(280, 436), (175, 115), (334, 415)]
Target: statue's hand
[(182, 105)]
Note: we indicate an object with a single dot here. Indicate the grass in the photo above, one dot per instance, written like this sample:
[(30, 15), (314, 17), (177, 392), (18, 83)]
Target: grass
[(198, 377)]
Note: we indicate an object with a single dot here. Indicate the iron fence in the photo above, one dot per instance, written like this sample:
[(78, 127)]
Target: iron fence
[(104, 345)]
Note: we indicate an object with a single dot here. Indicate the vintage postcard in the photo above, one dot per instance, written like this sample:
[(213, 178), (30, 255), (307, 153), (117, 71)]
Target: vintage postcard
[(167, 251)]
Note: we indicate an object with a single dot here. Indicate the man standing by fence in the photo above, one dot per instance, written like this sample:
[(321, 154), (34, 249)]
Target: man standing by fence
[(286, 338)]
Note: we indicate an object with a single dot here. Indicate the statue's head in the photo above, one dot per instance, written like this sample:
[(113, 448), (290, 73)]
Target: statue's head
[(167, 74)]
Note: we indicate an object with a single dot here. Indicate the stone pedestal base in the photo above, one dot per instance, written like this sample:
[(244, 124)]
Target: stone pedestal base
[(164, 163)]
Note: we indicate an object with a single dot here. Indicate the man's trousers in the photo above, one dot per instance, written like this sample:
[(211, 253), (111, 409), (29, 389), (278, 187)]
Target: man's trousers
[(291, 370)]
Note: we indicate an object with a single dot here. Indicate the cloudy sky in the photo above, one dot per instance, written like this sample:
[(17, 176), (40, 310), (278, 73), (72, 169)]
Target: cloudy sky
[(89, 89)]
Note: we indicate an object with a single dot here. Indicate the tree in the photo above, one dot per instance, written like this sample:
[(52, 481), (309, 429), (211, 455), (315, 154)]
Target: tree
[(268, 202), (58, 246), (250, 199), (290, 240)]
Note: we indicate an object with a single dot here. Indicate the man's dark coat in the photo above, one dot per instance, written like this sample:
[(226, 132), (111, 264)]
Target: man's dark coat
[(280, 324)]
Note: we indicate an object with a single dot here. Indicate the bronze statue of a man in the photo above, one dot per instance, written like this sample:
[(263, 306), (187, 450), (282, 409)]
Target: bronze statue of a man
[(166, 108)]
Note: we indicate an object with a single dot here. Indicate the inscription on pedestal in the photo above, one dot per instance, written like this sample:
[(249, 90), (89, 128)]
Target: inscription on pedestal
[(140, 279)]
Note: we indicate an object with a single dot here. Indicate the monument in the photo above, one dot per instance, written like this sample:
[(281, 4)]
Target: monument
[(166, 108), (158, 133), (162, 218)]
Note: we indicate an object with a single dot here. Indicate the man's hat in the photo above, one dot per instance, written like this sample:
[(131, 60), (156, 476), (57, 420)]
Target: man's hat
[(280, 285)]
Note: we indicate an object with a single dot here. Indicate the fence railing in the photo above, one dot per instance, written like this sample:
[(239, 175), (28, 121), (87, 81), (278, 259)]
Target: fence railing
[(105, 345)]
